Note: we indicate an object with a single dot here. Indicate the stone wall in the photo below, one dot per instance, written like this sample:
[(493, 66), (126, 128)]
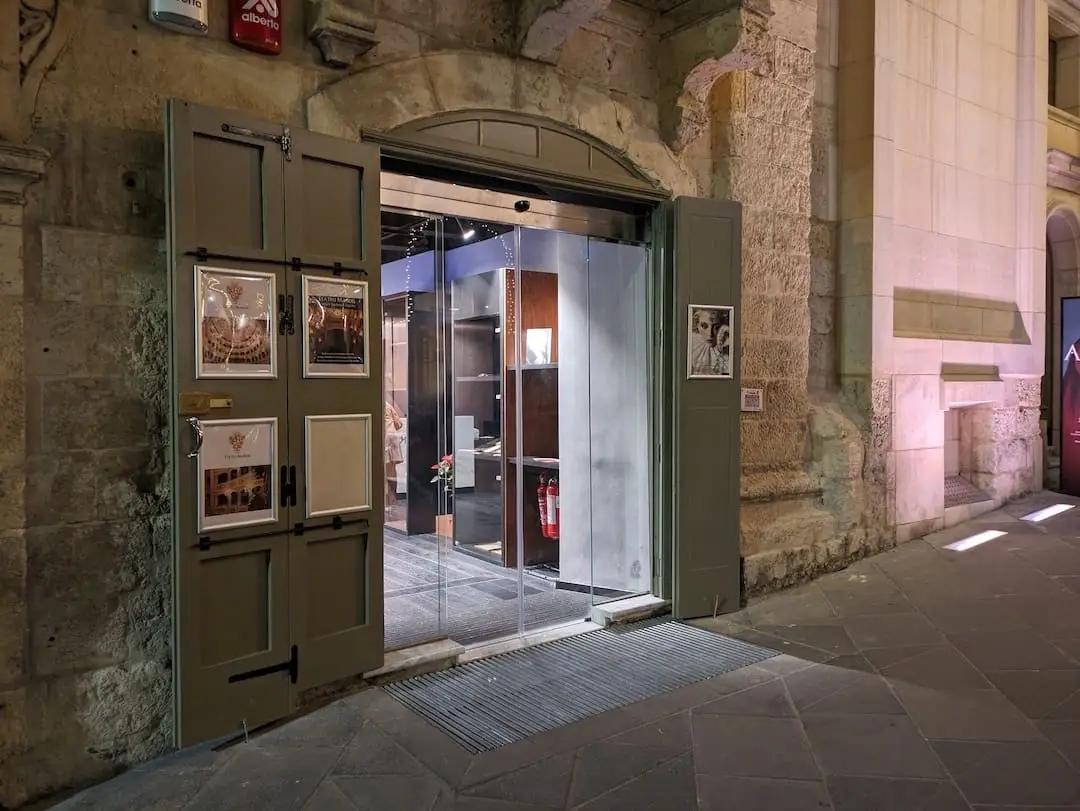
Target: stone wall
[(736, 103)]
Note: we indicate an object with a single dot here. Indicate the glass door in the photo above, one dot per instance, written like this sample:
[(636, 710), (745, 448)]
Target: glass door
[(414, 428)]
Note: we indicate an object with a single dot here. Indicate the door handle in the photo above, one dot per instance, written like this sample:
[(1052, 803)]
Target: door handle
[(196, 428)]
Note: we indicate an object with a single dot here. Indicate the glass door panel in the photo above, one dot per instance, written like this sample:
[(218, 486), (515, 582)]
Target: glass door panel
[(414, 587), (481, 575), (616, 341), (550, 468)]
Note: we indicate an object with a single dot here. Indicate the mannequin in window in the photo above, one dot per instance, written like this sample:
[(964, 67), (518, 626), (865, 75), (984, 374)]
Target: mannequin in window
[(394, 425)]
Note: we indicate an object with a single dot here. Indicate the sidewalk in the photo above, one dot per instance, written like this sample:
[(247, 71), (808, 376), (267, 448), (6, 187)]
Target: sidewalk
[(923, 678)]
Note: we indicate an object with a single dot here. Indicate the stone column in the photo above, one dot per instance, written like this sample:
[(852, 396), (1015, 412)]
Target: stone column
[(20, 166)]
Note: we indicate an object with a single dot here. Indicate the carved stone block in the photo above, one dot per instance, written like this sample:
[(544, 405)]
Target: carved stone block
[(342, 30)]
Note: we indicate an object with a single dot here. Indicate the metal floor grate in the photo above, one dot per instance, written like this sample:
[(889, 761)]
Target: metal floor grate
[(493, 702), (959, 490)]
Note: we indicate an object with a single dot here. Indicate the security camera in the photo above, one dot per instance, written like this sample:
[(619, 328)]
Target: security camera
[(521, 206)]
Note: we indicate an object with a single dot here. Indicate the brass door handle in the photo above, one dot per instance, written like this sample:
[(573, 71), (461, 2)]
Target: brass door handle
[(196, 428)]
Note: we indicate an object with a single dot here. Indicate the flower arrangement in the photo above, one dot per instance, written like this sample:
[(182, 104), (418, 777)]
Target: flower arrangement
[(444, 470)]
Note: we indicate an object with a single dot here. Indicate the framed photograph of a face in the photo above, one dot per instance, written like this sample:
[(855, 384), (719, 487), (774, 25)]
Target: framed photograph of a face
[(335, 330), (238, 473), (709, 352), (234, 324)]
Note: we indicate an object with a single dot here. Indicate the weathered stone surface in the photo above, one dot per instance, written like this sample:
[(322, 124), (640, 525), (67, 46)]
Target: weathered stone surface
[(13, 619)]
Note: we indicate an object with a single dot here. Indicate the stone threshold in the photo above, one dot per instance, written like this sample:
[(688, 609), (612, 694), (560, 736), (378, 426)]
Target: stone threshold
[(629, 609)]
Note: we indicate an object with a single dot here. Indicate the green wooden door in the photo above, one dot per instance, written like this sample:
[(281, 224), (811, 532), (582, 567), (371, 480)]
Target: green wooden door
[(276, 381)]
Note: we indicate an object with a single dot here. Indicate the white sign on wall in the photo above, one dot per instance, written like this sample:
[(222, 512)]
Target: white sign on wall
[(752, 400)]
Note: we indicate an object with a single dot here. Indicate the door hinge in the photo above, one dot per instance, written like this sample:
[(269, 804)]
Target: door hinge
[(292, 667), (284, 140), (288, 486)]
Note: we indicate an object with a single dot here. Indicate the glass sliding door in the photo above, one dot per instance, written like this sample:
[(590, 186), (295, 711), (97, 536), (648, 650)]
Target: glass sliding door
[(619, 498), (413, 427)]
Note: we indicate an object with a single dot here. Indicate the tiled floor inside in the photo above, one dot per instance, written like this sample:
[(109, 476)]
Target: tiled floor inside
[(478, 599), (923, 678)]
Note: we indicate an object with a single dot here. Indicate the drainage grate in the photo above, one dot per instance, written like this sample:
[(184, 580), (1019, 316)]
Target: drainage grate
[(493, 702), (959, 490)]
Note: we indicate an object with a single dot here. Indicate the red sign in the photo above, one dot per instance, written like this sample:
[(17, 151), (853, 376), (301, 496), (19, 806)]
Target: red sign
[(256, 25)]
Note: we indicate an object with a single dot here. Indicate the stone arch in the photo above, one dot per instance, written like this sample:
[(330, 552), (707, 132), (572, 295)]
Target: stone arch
[(393, 96), (1062, 280)]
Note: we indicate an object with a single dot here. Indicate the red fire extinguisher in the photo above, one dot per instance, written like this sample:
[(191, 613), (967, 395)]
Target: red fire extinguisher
[(256, 25), (541, 500), (552, 509)]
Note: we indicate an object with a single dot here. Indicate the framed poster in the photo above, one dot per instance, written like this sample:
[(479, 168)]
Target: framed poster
[(238, 483), (709, 342), (335, 336), (1070, 396), (234, 324), (338, 463)]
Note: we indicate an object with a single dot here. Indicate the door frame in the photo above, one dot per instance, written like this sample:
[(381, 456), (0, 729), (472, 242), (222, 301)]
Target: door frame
[(409, 188)]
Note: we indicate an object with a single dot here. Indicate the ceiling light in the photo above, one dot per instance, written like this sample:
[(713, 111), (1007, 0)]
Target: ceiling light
[(975, 540), (1046, 512), (468, 234)]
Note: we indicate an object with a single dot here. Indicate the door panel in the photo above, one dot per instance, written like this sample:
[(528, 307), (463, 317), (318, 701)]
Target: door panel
[(706, 256), (226, 242), (335, 407), (237, 628), (278, 485), (333, 204)]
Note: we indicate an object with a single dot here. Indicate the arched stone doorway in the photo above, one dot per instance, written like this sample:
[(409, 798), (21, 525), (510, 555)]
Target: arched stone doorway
[(1062, 280)]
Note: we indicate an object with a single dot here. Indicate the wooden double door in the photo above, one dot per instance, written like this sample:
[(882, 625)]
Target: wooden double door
[(276, 397)]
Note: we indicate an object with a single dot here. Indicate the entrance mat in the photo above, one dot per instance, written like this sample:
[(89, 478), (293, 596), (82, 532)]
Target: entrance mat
[(506, 698)]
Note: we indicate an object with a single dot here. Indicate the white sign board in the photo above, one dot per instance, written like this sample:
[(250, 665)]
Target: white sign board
[(752, 400)]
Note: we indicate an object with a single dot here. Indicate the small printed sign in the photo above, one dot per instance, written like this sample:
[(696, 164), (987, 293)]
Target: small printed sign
[(753, 400)]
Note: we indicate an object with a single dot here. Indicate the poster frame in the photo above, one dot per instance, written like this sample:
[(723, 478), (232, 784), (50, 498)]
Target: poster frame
[(316, 370), (201, 372), (275, 481)]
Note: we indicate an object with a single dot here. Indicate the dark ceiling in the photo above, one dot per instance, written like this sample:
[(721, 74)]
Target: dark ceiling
[(405, 234)]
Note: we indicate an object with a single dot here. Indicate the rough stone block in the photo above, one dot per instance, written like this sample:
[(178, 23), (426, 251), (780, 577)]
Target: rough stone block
[(95, 413), (11, 262), (12, 417), (11, 339), (774, 358), (61, 488), (12, 613), (768, 443), (633, 68), (127, 711), (73, 627), (97, 269), (587, 56), (12, 728), (12, 493)]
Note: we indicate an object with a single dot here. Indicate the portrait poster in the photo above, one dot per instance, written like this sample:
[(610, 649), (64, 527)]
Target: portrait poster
[(709, 351), (237, 482), (1070, 396), (335, 337), (234, 324)]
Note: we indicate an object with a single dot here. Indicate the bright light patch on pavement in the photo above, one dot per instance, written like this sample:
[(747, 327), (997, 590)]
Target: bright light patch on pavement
[(975, 540), (1047, 512)]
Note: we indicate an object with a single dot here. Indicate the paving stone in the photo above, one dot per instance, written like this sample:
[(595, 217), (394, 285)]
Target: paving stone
[(383, 792), (1024, 774), (328, 797), (854, 595), (672, 733), (260, 780), (814, 684), (865, 695), (725, 793), (943, 668), (1038, 693), (870, 745), (372, 751), (752, 747), (892, 794), (601, 767), (972, 715), (1010, 650), (972, 616), (1065, 737), (830, 638), (671, 785), (546, 783), (768, 699), (891, 631), (332, 726)]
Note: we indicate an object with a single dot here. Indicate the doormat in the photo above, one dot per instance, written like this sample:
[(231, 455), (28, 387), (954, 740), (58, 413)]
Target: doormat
[(509, 697)]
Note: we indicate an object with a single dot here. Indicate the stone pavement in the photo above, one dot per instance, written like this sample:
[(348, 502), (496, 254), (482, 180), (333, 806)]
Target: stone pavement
[(920, 679)]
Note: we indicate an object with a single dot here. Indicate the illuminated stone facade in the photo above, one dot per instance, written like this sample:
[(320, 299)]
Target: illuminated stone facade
[(890, 155)]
